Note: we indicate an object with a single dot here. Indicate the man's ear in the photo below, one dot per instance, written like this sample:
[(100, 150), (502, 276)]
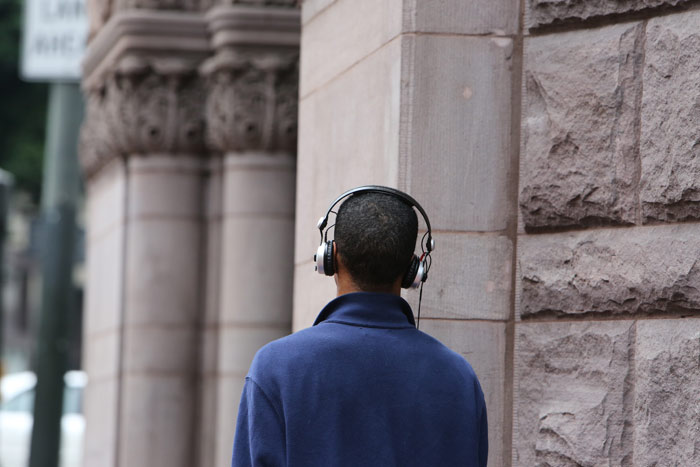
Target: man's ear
[(337, 259)]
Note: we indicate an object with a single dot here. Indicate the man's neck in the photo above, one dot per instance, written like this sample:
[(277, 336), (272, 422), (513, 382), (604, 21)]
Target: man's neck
[(348, 286)]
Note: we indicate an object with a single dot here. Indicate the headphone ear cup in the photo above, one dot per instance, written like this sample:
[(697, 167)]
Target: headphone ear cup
[(328, 263), (410, 276)]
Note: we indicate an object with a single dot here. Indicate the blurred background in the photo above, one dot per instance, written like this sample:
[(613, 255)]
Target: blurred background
[(41, 233)]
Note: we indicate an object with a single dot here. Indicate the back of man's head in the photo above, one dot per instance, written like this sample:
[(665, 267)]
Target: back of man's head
[(375, 234)]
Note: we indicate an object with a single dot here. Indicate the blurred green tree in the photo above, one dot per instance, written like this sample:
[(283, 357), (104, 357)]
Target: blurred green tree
[(22, 108)]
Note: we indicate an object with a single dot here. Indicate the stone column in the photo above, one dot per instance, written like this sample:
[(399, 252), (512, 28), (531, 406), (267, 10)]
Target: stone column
[(251, 114), (421, 95), (142, 150)]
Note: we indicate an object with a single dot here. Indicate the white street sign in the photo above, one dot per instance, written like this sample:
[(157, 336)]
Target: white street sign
[(54, 37)]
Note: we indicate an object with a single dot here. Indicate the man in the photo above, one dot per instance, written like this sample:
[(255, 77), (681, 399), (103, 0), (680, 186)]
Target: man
[(363, 386)]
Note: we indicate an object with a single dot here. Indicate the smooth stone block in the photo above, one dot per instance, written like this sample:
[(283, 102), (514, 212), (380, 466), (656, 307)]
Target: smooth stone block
[(345, 34), (157, 421), (259, 185), (105, 200), (312, 292), (456, 130), (171, 189), (348, 136), (667, 384), (208, 419), (167, 350), (104, 280), (238, 345), (631, 270), (229, 394), (544, 12), (483, 345), (497, 17), (100, 408), (311, 8), (212, 270), (670, 141), (470, 278), (209, 351), (257, 270), (572, 393), (101, 355), (579, 162), (163, 269)]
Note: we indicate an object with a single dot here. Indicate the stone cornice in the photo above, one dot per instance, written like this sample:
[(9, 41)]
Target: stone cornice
[(147, 33), (236, 25), (188, 83)]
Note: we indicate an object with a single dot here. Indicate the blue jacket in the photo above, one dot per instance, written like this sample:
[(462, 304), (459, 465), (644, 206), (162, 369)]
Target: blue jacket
[(362, 387)]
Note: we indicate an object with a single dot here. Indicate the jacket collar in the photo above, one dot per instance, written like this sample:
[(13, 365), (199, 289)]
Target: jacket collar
[(368, 309)]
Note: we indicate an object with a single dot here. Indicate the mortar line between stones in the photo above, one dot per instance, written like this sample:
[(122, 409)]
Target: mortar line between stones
[(592, 318), (348, 68), (203, 277), (628, 401), (122, 320), (638, 127), (509, 393), (318, 13), (577, 229), (610, 19)]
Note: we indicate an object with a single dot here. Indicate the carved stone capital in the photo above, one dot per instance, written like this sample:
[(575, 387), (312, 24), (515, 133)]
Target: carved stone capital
[(252, 100), (142, 88), (143, 107), (252, 79)]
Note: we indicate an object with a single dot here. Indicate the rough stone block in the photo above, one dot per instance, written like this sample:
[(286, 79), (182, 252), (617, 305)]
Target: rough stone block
[(346, 140), (667, 384), (343, 35), (498, 17), (470, 278), (635, 270), (455, 133), (572, 390), (670, 140), (543, 12), (579, 162), (483, 345)]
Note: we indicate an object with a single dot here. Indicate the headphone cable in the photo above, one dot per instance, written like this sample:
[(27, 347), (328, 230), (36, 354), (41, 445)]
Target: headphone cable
[(420, 299)]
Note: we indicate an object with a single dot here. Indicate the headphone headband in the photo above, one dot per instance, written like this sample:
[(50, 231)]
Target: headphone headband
[(386, 190)]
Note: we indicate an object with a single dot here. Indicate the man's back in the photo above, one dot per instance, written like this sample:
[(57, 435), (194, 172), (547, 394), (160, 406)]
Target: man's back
[(362, 387)]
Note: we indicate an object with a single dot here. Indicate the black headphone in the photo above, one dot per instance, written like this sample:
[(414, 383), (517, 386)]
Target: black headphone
[(417, 272)]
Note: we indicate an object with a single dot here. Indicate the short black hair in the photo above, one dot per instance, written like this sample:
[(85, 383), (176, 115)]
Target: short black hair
[(375, 234)]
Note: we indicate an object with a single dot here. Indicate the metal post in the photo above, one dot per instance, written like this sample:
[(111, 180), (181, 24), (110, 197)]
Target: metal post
[(60, 192), (6, 182)]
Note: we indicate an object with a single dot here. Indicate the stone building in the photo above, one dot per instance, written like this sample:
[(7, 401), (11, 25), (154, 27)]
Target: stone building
[(553, 143)]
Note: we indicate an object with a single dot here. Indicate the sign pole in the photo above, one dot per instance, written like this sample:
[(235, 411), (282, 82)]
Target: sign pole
[(60, 191)]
